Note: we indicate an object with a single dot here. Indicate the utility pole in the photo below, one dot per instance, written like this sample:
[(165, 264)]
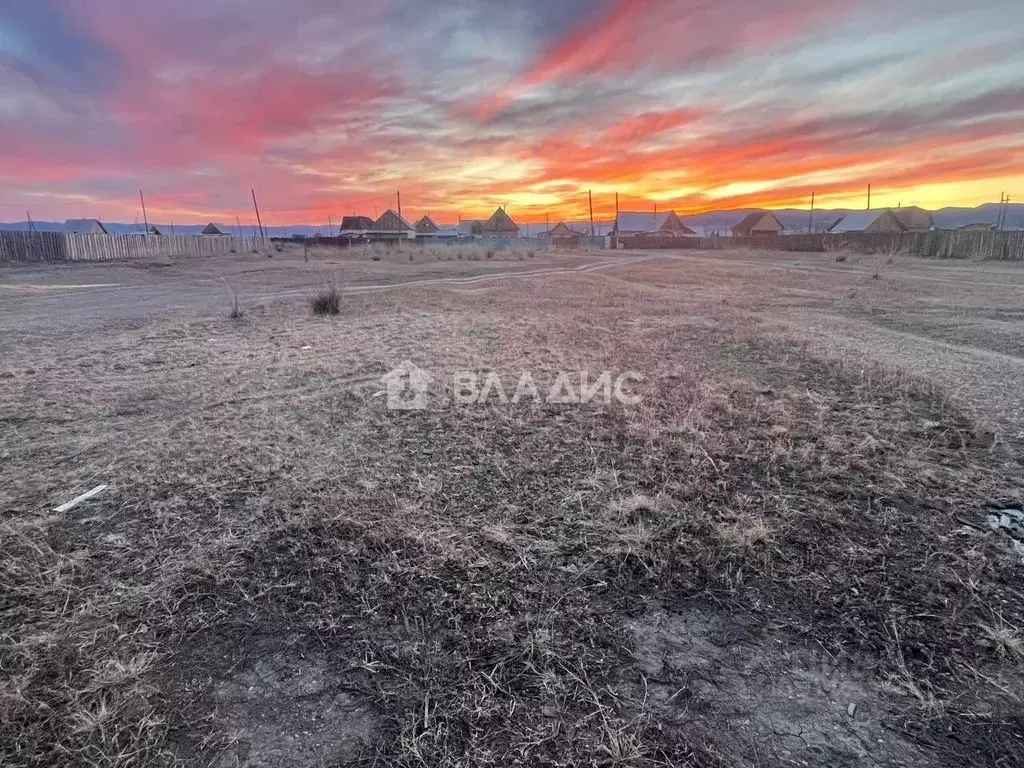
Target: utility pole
[(31, 224), (238, 225), (399, 203), (547, 221), (590, 197), (330, 226), (257, 207), (810, 219), (145, 218), (172, 228), (869, 197)]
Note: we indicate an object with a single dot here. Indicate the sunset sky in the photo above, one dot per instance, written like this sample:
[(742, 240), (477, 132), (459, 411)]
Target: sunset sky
[(328, 107)]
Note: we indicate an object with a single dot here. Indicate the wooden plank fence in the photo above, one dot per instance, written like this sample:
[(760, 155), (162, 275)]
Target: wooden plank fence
[(16, 246), (938, 244)]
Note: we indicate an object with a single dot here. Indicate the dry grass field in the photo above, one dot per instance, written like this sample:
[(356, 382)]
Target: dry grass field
[(783, 554)]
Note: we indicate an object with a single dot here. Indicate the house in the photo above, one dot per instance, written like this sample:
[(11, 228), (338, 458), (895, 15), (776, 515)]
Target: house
[(886, 220), (212, 229), (559, 230), (426, 226), (758, 223), (563, 236), (356, 224), (499, 225), (663, 224), (85, 227), (979, 226), (391, 223)]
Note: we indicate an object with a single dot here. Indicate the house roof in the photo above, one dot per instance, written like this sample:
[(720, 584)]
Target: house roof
[(390, 221), (356, 224), (641, 221), (500, 222), (561, 230), (426, 224), (649, 221), (913, 217), (212, 229), (85, 226), (857, 221), (749, 222)]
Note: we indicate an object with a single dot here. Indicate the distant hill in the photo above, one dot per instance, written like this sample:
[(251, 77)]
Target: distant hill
[(793, 219)]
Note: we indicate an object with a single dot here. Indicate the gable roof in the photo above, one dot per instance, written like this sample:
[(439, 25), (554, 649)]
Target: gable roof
[(914, 218), (881, 220), (356, 224), (561, 230), (212, 229), (857, 221), (390, 221), (757, 221), (648, 221), (85, 227), (500, 223), (426, 225)]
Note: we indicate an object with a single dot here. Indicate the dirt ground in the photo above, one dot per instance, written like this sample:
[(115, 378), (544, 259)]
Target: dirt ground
[(799, 544)]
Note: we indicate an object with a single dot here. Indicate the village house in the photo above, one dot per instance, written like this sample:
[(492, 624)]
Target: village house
[(426, 226), (562, 236), (655, 224), (884, 220), (758, 223), (351, 225), (499, 225), (392, 223), (213, 229)]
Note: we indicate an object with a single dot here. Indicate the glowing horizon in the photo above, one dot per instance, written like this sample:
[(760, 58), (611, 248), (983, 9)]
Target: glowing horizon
[(329, 108)]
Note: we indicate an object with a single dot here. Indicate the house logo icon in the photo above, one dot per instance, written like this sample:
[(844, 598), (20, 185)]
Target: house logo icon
[(407, 387)]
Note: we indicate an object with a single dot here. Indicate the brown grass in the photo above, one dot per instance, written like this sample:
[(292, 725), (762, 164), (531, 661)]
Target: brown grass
[(467, 575)]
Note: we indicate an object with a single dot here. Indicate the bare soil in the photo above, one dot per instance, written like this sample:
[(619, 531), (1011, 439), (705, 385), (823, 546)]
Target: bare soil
[(796, 549)]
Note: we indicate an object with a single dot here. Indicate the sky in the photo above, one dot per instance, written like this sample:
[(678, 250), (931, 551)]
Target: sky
[(331, 107)]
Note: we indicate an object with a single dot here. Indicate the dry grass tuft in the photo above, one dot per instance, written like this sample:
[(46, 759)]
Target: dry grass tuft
[(327, 301)]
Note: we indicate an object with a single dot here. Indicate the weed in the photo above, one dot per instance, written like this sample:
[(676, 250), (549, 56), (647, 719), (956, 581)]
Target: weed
[(235, 312), (327, 301)]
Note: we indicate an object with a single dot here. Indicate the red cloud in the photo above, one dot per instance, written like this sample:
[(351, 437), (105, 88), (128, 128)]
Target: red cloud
[(650, 124)]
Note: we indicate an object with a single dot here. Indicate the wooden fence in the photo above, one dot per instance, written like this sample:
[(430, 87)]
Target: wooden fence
[(938, 244), (16, 246)]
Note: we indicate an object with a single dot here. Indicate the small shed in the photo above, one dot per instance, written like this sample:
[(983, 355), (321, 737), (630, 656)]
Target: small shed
[(758, 223), (85, 227), (563, 236)]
